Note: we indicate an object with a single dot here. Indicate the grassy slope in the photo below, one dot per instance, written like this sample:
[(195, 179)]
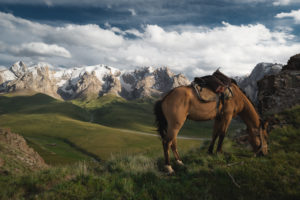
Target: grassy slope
[(233, 175), (45, 121), (138, 115)]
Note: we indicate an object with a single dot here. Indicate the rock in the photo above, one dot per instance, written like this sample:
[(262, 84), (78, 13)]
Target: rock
[(89, 81), (88, 87), (281, 91), (149, 82), (16, 150), (249, 84), (293, 63), (38, 79), (19, 69)]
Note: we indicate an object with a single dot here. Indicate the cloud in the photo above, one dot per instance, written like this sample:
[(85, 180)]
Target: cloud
[(295, 14), (132, 11), (37, 49), (192, 50), (285, 2)]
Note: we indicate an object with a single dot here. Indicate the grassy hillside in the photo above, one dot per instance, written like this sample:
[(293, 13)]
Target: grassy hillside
[(61, 131), (138, 115), (235, 174)]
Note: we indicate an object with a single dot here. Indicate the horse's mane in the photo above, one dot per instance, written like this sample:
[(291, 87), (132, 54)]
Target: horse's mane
[(243, 91)]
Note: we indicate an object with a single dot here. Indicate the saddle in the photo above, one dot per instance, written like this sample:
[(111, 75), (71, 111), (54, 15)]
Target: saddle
[(215, 87)]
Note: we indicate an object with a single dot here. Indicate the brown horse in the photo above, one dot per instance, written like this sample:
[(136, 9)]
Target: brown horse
[(182, 103)]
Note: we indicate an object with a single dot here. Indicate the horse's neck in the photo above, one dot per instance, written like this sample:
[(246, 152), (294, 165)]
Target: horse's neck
[(249, 114)]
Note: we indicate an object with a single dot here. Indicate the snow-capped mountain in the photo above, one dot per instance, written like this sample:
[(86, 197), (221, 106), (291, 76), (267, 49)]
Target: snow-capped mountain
[(147, 82), (89, 81), (249, 83)]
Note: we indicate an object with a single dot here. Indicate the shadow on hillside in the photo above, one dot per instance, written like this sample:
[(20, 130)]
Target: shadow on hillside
[(41, 104)]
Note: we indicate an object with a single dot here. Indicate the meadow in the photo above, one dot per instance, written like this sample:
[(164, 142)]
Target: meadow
[(94, 154), (63, 132), (235, 174)]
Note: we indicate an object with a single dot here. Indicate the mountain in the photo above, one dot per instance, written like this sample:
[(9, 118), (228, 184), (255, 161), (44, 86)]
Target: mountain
[(280, 91), (89, 82), (149, 82), (249, 83)]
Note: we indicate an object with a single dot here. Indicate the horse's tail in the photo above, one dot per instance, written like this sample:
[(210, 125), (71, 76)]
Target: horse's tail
[(160, 119)]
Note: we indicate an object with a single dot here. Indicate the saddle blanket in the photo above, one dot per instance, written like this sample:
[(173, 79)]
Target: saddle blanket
[(207, 95)]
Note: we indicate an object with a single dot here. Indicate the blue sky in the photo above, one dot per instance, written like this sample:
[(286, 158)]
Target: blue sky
[(193, 37)]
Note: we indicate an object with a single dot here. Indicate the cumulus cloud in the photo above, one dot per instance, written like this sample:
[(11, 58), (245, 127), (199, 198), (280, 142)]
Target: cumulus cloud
[(40, 49), (295, 14), (192, 50)]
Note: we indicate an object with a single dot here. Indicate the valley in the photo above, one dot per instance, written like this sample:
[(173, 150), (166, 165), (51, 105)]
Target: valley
[(62, 132)]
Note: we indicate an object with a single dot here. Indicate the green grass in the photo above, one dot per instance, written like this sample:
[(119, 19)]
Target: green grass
[(138, 115), (236, 174), (94, 139), (43, 121)]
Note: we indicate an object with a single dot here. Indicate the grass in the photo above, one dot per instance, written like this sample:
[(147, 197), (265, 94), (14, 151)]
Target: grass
[(236, 174), (62, 134), (138, 115)]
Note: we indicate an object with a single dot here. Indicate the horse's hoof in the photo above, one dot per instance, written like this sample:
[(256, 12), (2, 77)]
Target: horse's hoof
[(179, 162), (169, 170)]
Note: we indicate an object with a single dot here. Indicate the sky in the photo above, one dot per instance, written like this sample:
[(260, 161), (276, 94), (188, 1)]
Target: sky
[(193, 37)]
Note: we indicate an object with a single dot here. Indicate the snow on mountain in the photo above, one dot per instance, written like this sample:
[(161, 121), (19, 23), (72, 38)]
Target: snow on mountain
[(148, 82), (89, 81), (249, 84), (19, 69)]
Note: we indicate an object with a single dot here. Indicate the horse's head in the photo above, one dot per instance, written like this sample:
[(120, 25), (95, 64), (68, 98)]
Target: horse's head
[(258, 139)]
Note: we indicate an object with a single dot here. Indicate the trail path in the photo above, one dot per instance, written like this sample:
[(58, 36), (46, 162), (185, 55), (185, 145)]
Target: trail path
[(154, 135)]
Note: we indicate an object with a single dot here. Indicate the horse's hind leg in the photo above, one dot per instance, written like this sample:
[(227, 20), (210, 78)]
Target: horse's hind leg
[(166, 145), (170, 141), (175, 152)]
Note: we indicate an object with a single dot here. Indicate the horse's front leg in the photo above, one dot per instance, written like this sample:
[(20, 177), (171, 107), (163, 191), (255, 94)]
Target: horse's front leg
[(224, 124), (214, 137)]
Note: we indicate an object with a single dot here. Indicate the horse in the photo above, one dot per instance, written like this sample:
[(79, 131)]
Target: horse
[(182, 103)]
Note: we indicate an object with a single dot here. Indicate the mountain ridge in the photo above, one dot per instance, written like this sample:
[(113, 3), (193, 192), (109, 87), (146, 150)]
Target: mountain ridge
[(89, 81)]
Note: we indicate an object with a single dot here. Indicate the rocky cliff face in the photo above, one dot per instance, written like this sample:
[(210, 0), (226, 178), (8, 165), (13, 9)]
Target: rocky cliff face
[(16, 156), (281, 91), (150, 82), (89, 81), (249, 83), (37, 78)]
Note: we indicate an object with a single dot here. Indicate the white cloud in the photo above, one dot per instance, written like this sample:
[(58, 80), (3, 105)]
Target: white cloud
[(132, 11), (285, 2), (38, 49), (192, 50), (295, 14)]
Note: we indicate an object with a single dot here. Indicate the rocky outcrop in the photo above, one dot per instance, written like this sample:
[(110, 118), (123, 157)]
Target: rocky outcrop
[(38, 79), (87, 87), (149, 82), (15, 155), (281, 91), (249, 84)]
